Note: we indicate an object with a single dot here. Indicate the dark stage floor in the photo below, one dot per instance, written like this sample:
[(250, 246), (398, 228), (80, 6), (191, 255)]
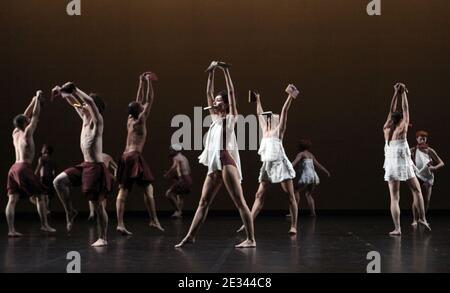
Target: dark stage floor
[(327, 244)]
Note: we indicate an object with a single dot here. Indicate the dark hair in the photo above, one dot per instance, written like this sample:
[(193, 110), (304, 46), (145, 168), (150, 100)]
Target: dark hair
[(304, 144), (19, 121), (421, 133), (49, 148), (224, 95), (134, 109), (101, 106), (396, 117)]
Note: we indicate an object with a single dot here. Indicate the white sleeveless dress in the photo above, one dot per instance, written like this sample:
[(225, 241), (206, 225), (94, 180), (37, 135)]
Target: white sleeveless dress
[(210, 156), (423, 172), (308, 174), (276, 166), (398, 164)]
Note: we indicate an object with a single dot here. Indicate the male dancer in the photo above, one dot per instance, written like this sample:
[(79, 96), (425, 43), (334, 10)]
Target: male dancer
[(221, 156), (398, 164), (92, 174), (22, 182), (46, 171), (427, 162), (132, 166), (181, 172), (276, 167)]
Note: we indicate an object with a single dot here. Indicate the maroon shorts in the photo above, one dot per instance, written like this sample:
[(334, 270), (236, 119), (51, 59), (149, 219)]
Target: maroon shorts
[(226, 158), (93, 177), (22, 181), (133, 168), (182, 185)]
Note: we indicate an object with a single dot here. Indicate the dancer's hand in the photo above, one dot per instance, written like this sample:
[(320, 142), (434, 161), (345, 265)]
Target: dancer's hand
[(56, 92), (212, 66), (40, 96)]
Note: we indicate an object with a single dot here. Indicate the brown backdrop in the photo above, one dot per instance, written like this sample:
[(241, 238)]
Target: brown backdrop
[(344, 62)]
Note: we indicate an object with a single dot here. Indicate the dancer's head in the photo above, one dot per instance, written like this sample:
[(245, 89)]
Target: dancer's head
[(175, 149), (221, 103), (134, 109), (21, 121), (47, 150), (101, 106), (421, 136), (304, 145), (396, 118)]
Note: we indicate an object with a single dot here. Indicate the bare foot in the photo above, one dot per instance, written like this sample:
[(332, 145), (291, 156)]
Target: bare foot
[(156, 225), (396, 232), (414, 224), (72, 216), (15, 234), (186, 240), (288, 215), (240, 229), (123, 230), (177, 215), (247, 244), (48, 229), (425, 224), (292, 231), (100, 242)]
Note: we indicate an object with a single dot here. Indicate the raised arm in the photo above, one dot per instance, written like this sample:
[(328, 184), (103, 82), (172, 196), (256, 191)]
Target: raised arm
[(140, 92), (230, 89), (89, 104), (210, 86), (405, 105), (29, 110), (321, 167), (284, 115), (393, 107), (436, 159), (29, 130), (148, 101)]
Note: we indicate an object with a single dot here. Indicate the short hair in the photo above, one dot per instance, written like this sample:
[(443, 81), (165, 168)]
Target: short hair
[(134, 109), (304, 144), (101, 105), (224, 95), (50, 149), (397, 116), (421, 133), (19, 121)]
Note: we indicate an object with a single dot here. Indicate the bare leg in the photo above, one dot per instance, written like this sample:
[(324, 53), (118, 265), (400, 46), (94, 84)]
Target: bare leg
[(10, 215), (41, 206), (62, 187), (394, 190), (415, 214), (120, 210), (428, 190), (102, 224), (173, 199), (288, 187), (91, 211), (180, 204), (149, 200), (230, 177), (414, 186), (259, 201), (309, 190), (211, 186)]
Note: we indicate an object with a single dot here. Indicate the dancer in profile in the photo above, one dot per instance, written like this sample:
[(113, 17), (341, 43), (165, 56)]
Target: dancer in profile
[(308, 178), (132, 166), (92, 174), (221, 156), (180, 171), (46, 171), (276, 167), (22, 182), (398, 164), (427, 162)]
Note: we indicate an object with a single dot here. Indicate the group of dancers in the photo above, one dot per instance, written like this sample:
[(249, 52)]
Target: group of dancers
[(95, 175)]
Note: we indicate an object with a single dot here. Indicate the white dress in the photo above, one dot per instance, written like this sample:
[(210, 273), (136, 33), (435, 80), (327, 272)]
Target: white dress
[(423, 172), (276, 166), (210, 156), (398, 164), (308, 174)]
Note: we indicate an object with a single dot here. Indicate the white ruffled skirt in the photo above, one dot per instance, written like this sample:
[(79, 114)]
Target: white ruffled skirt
[(398, 165)]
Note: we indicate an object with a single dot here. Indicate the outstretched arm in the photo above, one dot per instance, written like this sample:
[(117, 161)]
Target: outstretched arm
[(230, 89), (393, 107), (436, 159), (320, 167), (210, 90), (405, 105), (259, 110), (284, 115), (140, 92), (297, 160), (148, 101)]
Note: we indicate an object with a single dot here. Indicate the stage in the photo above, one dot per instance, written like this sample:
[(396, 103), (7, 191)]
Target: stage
[(329, 243)]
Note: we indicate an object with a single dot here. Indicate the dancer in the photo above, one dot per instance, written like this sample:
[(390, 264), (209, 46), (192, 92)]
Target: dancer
[(95, 180), (111, 167), (427, 162), (132, 166), (276, 167), (46, 171), (22, 182), (221, 156), (181, 173), (398, 165), (308, 178)]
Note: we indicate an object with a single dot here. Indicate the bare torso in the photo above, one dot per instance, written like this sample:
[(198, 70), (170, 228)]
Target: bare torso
[(271, 127), (136, 135), (91, 140), (182, 163), (24, 146)]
